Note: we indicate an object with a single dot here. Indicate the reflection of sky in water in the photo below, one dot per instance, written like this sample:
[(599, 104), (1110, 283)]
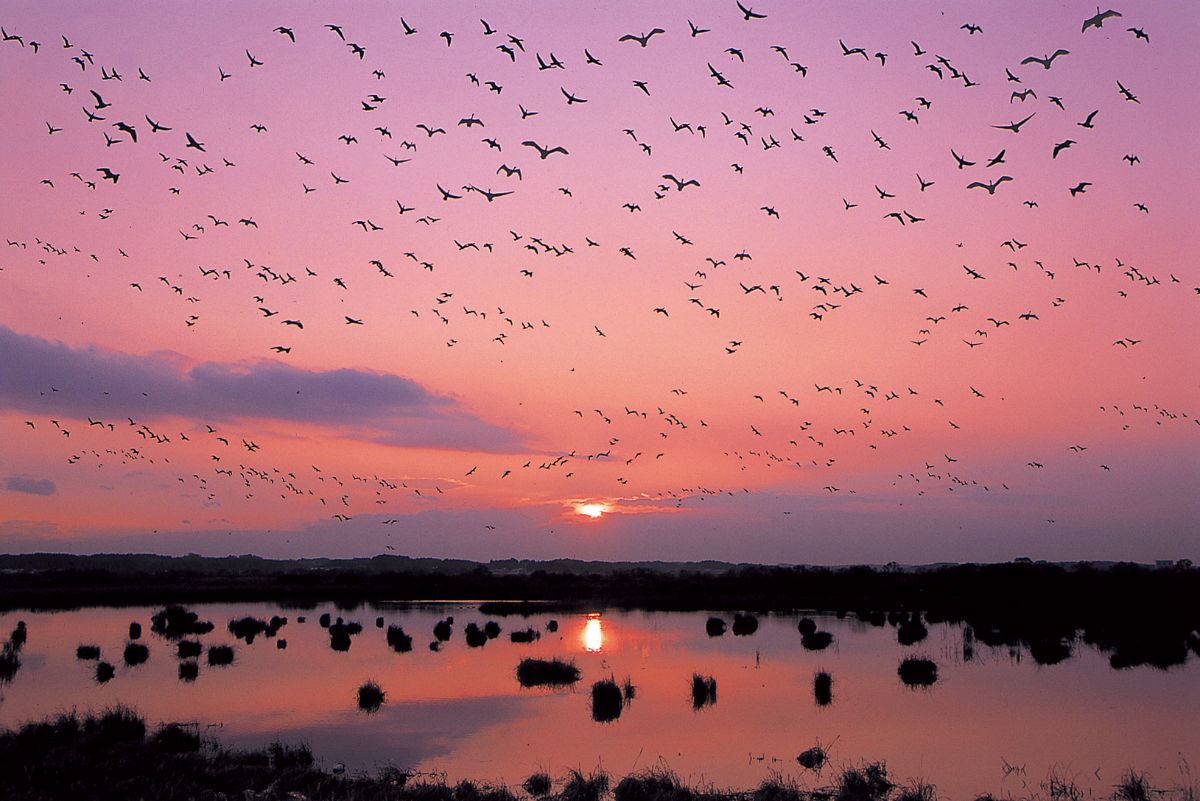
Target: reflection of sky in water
[(460, 711)]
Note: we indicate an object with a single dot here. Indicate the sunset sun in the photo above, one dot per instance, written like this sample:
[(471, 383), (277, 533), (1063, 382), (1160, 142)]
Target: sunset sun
[(592, 510)]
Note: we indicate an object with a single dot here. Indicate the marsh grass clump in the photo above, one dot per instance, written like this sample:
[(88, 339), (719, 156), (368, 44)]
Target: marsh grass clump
[(189, 649), (135, 631), (538, 784), (442, 629), (823, 688), (104, 672), (714, 626), (552, 626), (867, 783), (607, 701), (1134, 786), (379, 622), (340, 633), (136, 654), (628, 689), (806, 626), (1061, 788), (87, 652), (546, 672), (813, 758), (119, 724), (397, 640), (491, 629), (525, 635), (281, 645), (777, 787), (175, 622), (656, 784), (177, 739), (247, 628), (475, 636), (581, 787), (917, 790), (189, 671), (19, 635), (220, 655), (704, 691), (289, 757), (816, 641), (744, 625), (370, 697), (917, 671), (324, 620)]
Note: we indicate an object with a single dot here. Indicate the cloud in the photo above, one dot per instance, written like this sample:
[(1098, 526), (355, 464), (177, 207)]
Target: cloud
[(44, 376), (31, 486)]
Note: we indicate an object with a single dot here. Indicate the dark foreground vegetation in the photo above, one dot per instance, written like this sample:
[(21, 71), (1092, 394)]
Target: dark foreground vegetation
[(1137, 613), (115, 756)]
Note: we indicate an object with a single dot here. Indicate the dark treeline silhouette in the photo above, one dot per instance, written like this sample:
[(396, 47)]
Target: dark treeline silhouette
[(1142, 614)]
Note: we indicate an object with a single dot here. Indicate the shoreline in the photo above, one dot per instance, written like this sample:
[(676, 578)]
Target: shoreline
[(115, 754)]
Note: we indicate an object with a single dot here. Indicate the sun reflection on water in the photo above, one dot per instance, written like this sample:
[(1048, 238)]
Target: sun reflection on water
[(593, 635)]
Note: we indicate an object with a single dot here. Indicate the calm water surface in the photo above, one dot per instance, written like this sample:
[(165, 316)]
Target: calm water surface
[(460, 712)]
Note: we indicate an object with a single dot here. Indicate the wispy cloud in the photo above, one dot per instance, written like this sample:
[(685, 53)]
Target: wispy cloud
[(43, 376), (31, 486)]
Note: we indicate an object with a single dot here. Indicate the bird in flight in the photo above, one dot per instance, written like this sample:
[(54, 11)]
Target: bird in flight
[(1098, 20), (1046, 61), (544, 152), (1015, 127), (990, 187), (749, 13), (644, 39)]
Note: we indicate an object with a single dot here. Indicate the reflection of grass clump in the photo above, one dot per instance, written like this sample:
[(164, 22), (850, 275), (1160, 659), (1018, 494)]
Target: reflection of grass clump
[(10, 663), (704, 691), (823, 688), (546, 672), (525, 635), (911, 630)]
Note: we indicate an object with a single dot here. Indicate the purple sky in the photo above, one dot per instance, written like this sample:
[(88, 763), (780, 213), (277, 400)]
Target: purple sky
[(1011, 366)]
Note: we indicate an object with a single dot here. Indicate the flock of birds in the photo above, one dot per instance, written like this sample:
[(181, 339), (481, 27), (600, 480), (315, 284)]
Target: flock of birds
[(224, 462)]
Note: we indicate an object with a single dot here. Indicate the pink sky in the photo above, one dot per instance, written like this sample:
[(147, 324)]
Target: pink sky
[(471, 369)]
